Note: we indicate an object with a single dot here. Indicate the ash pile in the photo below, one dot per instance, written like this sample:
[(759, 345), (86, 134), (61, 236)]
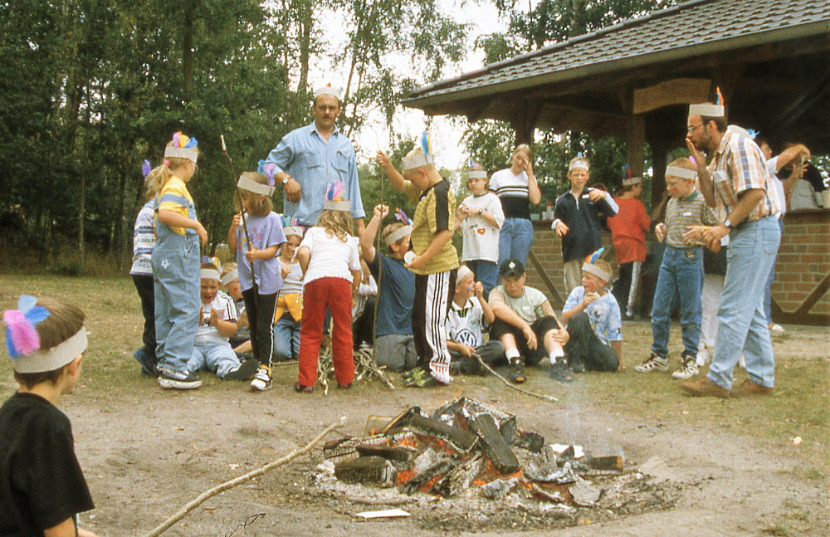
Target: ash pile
[(466, 449)]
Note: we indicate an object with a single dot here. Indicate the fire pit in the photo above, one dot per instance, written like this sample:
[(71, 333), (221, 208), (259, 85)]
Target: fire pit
[(477, 458)]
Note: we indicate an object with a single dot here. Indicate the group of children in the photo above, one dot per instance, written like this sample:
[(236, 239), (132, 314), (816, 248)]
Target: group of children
[(433, 313)]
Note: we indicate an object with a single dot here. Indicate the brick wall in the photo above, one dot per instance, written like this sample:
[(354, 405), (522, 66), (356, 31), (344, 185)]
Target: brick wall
[(799, 292)]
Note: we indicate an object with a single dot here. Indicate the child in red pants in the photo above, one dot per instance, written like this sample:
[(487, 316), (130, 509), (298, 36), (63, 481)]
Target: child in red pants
[(330, 262)]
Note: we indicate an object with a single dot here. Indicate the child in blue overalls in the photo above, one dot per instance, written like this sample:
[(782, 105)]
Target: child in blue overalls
[(176, 264)]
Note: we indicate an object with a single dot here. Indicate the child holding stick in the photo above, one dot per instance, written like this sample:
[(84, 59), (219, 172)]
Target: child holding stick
[(331, 274), (259, 269), (175, 262)]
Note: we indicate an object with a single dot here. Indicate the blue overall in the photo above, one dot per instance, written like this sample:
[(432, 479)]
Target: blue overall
[(176, 288)]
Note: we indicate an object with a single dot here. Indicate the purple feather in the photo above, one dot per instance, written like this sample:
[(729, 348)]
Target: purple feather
[(175, 139), (146, 168)]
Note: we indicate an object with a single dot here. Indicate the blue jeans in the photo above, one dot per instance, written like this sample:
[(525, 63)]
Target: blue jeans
[(680, 279), (742, 324), (286, 338), (485, 272), (215, 356), (515, 240), (767, 296)]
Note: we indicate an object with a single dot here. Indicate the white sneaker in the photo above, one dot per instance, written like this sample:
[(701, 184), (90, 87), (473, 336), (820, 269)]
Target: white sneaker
[(702, 357), (652, 363), (440, 372), (687, 369), (742, 361), (776, 328), (262, 379)]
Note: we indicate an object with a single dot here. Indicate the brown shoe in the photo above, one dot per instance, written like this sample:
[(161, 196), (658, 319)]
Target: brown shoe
[(704, 387), (750, 387)]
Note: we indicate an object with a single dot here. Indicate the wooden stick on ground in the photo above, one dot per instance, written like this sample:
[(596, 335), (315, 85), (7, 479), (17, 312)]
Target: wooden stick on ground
[(501, 378), (181, 513)]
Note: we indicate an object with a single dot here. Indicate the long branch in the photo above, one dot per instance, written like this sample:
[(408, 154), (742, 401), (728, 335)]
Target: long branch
[(201, 498)]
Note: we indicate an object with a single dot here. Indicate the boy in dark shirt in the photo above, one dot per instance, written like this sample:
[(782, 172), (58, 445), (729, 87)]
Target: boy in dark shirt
[(42, 487)]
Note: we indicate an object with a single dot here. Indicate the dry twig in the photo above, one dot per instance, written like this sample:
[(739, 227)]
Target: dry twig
[(181, 513), (501, 378)]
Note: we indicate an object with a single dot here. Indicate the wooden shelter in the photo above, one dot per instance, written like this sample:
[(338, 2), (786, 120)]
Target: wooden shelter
[(634, 80)]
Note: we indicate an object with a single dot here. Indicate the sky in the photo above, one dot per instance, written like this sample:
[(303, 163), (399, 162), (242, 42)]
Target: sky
[(445, 136)]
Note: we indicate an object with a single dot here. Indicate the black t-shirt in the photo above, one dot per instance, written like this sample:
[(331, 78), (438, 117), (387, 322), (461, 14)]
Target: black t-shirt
[(41, 482)]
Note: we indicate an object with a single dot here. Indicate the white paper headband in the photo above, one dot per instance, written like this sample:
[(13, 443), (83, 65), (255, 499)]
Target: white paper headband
[(209, 274), (579, 163), (476, 174), (190, 153), (327, 90), (706, 109), (343, 205), (229, 277), (463, 270), (397, 235), (58, 356), (252, 186), (683, 173), (596, 271), (632, 181), (416, 161)]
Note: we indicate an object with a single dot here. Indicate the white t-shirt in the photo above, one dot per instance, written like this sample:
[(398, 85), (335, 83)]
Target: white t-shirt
[(466, 325), (772, 164), (481, 239), (207, 333), (504, 183), (528, 306), (330, 257)]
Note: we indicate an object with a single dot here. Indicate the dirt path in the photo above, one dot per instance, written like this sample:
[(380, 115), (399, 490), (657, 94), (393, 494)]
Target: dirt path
[(147, 452)]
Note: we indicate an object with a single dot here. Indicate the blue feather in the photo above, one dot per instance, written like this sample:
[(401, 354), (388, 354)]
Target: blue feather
[(596, 255)]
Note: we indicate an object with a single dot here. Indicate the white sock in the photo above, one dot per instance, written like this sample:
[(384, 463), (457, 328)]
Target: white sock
[(511, 353), (556, 353)]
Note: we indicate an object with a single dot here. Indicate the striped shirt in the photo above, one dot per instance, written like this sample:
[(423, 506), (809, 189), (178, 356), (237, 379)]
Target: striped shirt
[(681, 213), (175, 197), (207, 332), (738, 165), (144, 240), (512, 190), (434, 213)]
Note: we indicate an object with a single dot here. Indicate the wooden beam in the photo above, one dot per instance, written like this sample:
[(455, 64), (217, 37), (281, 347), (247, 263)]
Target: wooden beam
[(671, 92), (635, 141)]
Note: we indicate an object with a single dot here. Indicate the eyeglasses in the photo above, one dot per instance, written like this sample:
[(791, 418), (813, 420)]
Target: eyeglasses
[(693, 128)]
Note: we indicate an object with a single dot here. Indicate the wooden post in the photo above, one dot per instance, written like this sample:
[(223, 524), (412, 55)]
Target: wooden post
[(635, 138), (523, 121)]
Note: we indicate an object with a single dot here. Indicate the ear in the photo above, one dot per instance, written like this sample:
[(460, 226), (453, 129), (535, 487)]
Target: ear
[(74, 366)]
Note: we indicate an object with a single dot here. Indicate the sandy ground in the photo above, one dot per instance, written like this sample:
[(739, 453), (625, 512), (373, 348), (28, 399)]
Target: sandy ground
[(147, 452)]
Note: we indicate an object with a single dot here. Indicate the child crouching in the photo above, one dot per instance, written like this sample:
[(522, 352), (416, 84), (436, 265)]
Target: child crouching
[(42, 487), (217, 322)]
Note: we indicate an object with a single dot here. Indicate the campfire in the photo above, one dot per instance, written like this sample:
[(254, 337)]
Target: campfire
[(467, 448)]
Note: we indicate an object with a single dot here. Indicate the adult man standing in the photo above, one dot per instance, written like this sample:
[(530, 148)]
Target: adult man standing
[(738, 185), (310, 158)]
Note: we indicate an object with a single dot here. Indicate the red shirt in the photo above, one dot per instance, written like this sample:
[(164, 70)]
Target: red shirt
[(628, 230)]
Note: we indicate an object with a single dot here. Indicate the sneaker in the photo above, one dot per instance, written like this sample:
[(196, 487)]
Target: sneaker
[(170, 379), (576, 365), (262, 379), (750, 387), (149, 367), (629, 314), (742, 361), (652, 363), (687, 369), (440, 372), (244, 371), (517, 371), (560, 371), (705, 387), (299, 388), (702, 356), (775, 327)]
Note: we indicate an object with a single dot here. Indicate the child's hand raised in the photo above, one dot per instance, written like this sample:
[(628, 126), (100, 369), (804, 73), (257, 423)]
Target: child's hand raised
[(381, 211), (237, 219), (478, 289), (216, 316)]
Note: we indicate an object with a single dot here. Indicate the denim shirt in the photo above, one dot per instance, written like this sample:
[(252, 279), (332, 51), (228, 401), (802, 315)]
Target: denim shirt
[(304, 154)]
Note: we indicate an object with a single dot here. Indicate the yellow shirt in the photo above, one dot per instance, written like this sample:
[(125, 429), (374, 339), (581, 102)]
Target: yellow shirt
[(175, 197), (434, 213)]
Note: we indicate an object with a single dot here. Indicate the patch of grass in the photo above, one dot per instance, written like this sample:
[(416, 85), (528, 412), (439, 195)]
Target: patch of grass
[(780, 530)]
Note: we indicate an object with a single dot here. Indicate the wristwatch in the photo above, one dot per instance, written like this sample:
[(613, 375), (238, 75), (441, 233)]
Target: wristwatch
[(285, 180), (481, 211), (728, 224)]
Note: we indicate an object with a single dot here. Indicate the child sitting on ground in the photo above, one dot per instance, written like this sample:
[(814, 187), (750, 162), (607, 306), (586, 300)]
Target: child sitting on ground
[(524, 317), (217, 322), (331, 274), (592, 317), (394, 342), (469, 317), (42, 487), (479, 218), (681, 272), (289, 311), (241, 341)]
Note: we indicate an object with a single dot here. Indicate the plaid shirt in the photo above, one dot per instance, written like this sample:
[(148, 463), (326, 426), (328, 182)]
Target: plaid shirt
[(736, 166)]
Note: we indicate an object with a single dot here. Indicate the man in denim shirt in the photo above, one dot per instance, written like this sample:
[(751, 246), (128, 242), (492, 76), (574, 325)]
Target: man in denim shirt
[(310, 158)]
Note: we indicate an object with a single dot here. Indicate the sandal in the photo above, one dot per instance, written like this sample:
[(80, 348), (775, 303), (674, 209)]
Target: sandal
[(299, 388)]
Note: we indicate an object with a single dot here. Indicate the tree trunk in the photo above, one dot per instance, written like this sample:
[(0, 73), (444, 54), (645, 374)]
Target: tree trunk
[(187, 53)]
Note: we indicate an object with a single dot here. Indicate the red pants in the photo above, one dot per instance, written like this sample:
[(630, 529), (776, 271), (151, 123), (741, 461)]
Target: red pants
[(335, 293)]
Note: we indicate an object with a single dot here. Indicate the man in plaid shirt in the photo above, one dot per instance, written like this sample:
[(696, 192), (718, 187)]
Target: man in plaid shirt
[(737, 184)]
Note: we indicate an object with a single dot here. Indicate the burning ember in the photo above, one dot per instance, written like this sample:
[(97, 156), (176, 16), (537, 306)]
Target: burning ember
[(467, 447)]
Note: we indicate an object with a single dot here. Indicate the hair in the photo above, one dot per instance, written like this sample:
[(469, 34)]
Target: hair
[(522, 148), (228, 267), (629, 188), (64, 321), (314, 101), (604, 265), (150, 189), (720, 122), (208, 265), (336, 223), (159, 176), (388, 230), (258, 204)]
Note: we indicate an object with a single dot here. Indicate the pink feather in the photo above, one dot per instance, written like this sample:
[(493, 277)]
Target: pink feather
[(22, 333)]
